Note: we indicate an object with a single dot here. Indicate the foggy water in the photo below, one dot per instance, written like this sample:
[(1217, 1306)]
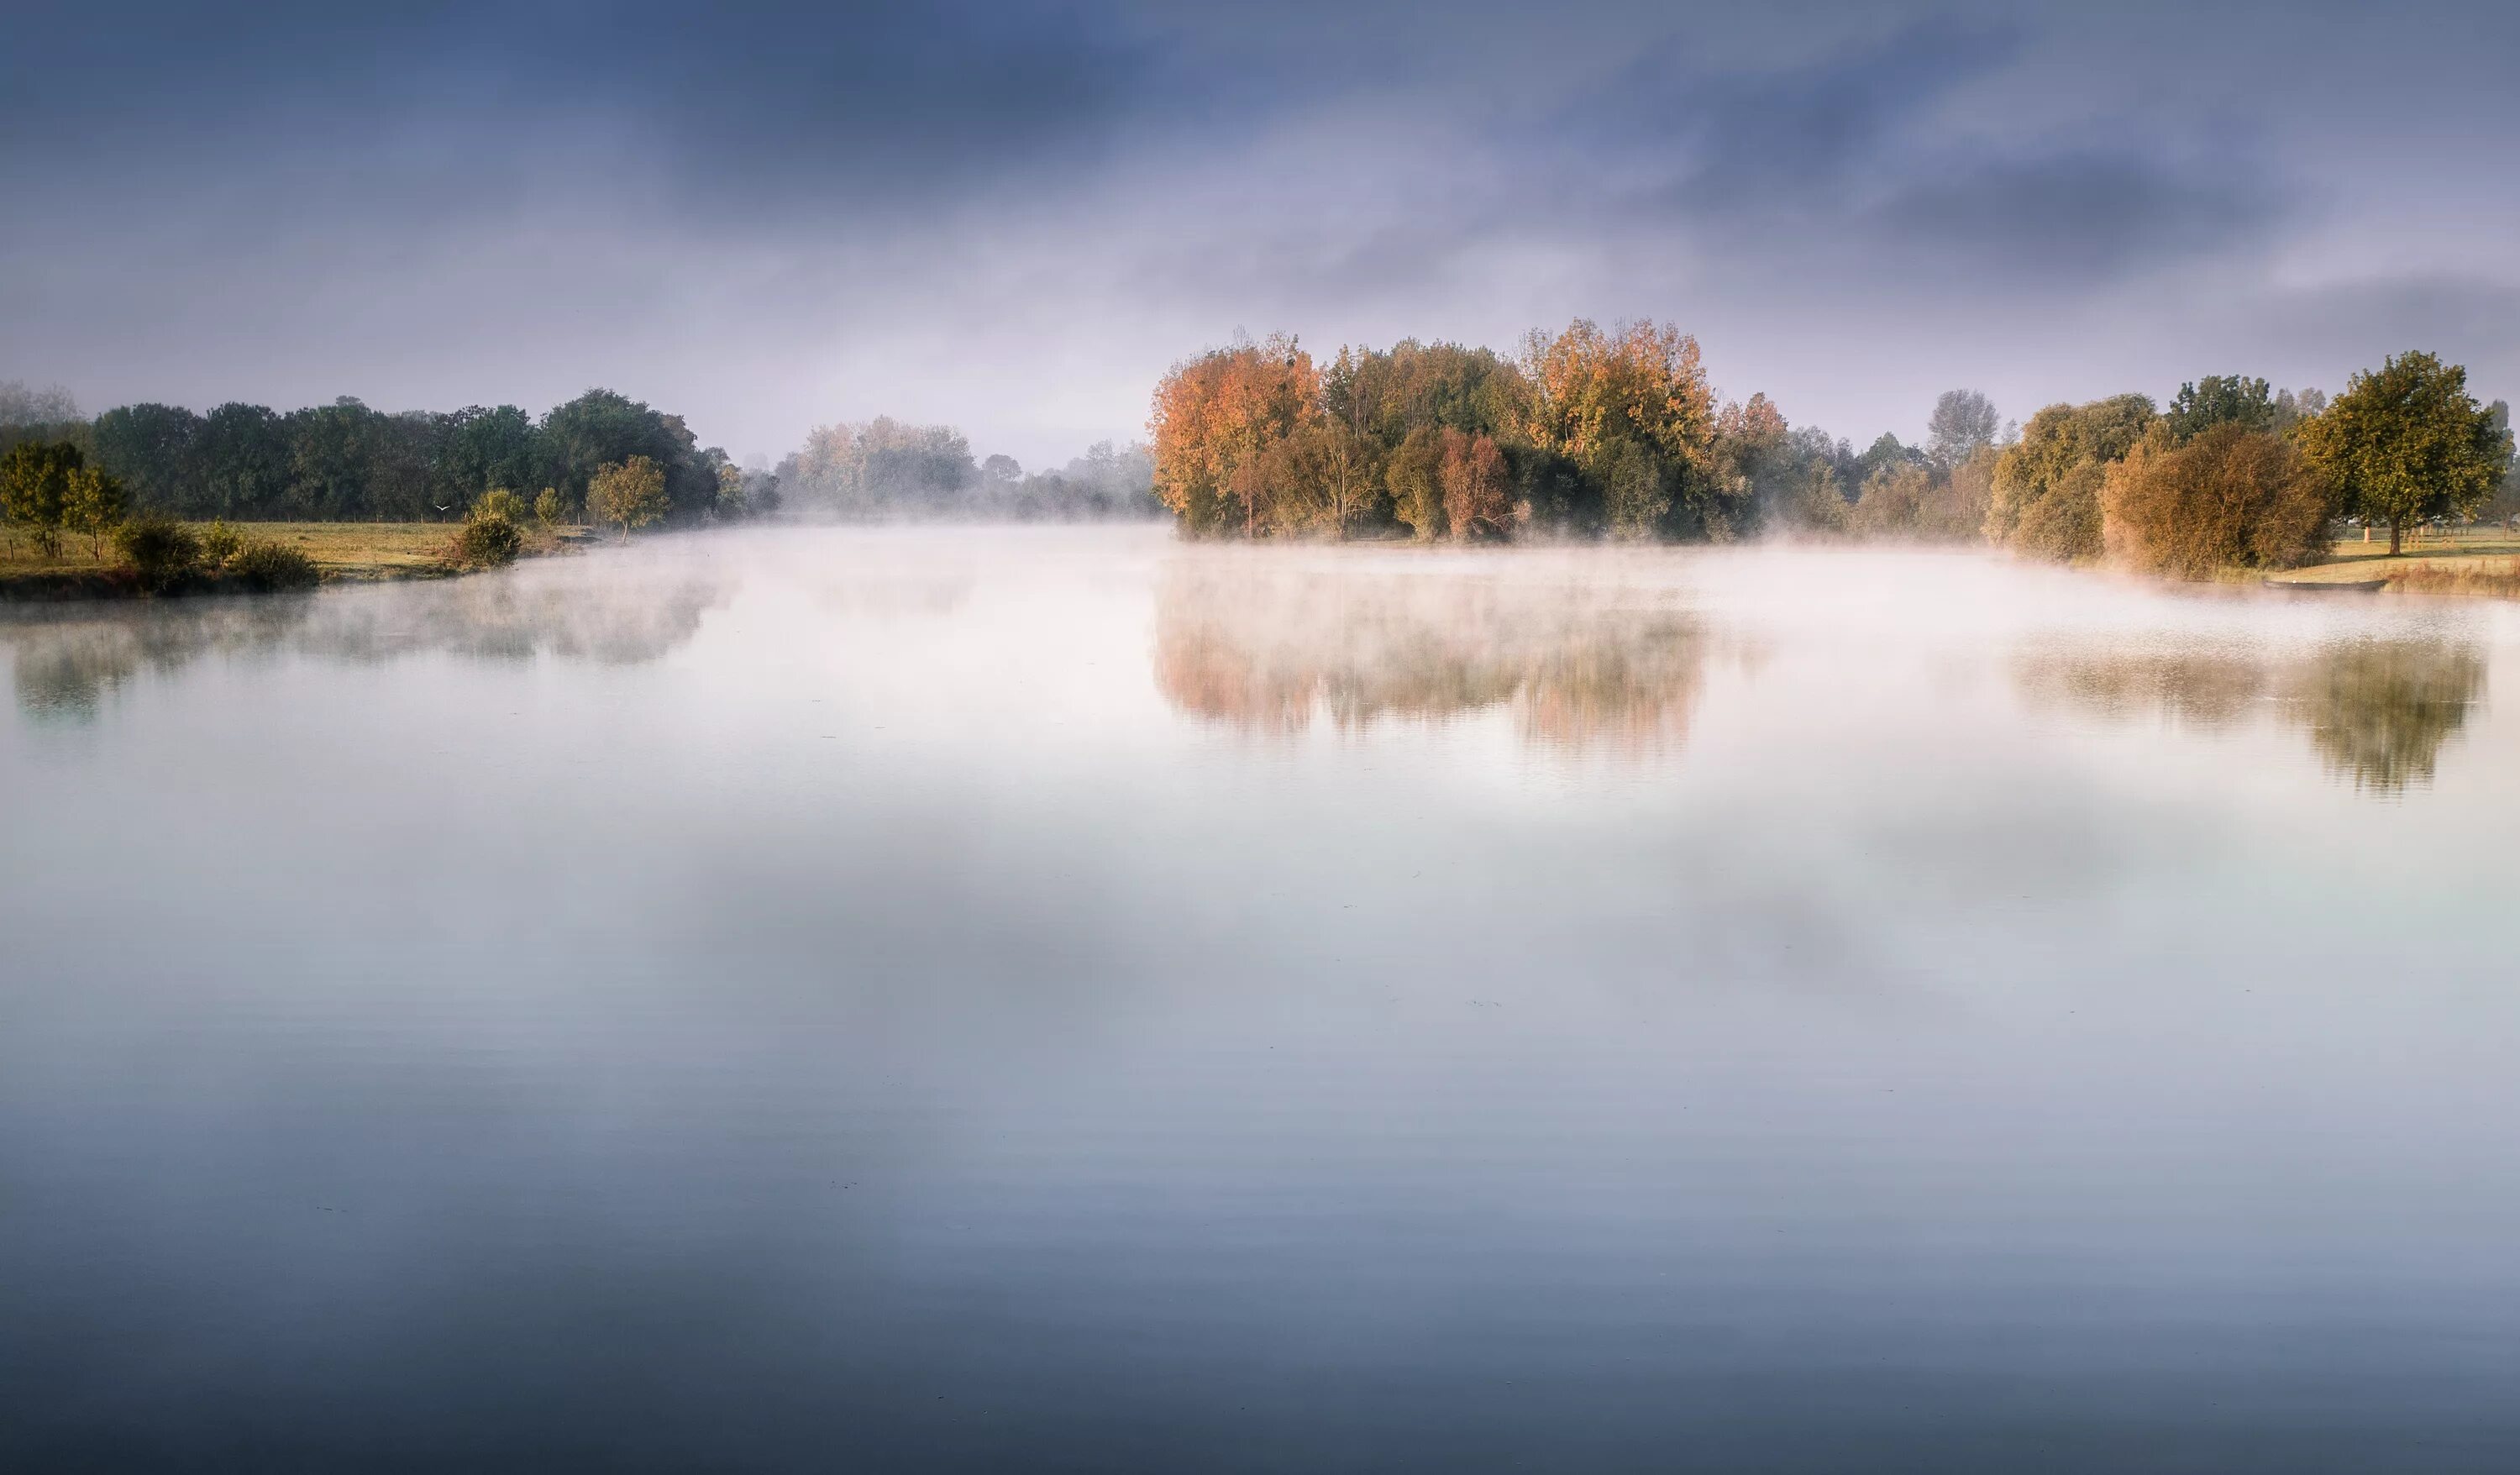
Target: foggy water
[(1063, 1000)]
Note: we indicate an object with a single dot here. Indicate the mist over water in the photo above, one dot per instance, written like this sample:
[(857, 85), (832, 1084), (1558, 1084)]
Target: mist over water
[(1064, 998)]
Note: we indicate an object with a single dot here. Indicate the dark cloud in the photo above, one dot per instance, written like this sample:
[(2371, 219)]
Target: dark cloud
[(1014, 215)]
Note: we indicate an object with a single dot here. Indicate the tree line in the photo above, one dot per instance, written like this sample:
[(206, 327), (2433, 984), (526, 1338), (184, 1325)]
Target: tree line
[(1620, 434), (345, 462)]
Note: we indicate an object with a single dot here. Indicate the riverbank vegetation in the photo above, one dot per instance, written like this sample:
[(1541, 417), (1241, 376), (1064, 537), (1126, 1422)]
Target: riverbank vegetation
[(1620, 433)]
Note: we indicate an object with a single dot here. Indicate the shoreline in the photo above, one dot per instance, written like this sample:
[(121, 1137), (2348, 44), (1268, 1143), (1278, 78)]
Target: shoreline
[(342, 553)]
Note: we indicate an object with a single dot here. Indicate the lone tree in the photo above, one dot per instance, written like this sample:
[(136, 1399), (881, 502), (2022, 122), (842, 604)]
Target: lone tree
[(37, 485), (627, 493), (2408, 442)]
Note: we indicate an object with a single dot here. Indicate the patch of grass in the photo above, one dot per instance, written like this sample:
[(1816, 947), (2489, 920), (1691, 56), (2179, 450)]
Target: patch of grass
[(354, 551)]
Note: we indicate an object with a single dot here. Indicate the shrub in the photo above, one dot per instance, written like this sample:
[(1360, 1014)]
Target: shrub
[(2064, 521), (162, 552), (551, 509), (219, 543), (2231, 498), (487, 542), (499, 502), (266, 567)]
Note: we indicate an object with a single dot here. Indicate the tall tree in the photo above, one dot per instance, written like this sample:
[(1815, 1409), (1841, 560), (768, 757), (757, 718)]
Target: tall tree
[(2408, 442), (1962, 420)]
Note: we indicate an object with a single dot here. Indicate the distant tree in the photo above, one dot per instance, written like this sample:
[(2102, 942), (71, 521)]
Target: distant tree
[(1001, 469), (2408, 442), (1962, 420), (2220, 400), (94, 504), (628, 495), (36, 490), (2292, 409), (1752, 457), (244, 461), (157, 452), (731, 499), (23, 406), (2229, 497)]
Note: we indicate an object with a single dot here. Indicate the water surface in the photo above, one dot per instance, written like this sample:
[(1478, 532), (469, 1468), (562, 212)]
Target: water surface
[(1063, 1000)]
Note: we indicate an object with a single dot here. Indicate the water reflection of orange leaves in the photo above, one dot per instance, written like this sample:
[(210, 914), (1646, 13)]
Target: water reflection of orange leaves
[(1268, 652)]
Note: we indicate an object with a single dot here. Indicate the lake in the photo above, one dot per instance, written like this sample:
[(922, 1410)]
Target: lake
[(1066, 1000)]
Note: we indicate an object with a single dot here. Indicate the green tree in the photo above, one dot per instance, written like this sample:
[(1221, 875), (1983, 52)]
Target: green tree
[(2220, 399), (498, 502), (629, 494), (95, 505), (36, 490), (551, 509), (2408, 442)]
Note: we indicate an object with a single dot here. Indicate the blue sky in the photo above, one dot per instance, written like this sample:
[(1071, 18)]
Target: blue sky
[(1013, 216)]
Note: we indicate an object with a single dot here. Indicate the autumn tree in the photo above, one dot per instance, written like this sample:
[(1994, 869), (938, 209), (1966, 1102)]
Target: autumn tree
[(2408, 442), (2231, 497), (1632, 409), (627, 493), (1213, 418), (2045, 496)]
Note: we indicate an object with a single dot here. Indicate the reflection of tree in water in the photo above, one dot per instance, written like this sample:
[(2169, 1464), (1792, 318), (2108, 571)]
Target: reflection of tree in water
[(2381, 710), (65, 661), (1266, 650), (2378, 710)]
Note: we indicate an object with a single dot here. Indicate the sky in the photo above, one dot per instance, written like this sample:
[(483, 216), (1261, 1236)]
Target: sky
[(1013, 217)]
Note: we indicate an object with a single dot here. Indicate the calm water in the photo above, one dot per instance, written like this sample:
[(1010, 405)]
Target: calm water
[(1061, 1000)]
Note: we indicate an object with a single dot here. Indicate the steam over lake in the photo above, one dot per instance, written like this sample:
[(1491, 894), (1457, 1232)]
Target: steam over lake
[(1004, 1000)]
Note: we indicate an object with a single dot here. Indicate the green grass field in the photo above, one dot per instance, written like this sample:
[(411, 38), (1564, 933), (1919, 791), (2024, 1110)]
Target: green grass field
[(2484, 552)]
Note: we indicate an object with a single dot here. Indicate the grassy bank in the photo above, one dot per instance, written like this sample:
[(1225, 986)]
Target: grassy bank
[(341, 552), (2482, 559)]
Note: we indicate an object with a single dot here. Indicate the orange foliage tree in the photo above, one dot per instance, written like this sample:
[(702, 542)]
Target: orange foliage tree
[(1216, 420)]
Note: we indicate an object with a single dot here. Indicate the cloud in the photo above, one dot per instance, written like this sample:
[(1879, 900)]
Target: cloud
[(1015, 215)]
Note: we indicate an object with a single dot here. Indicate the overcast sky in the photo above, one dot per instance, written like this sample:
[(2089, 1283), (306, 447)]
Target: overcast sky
[(1014, 216)]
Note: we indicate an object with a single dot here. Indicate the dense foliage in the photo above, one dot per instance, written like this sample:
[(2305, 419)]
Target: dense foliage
[(2231, 497)]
